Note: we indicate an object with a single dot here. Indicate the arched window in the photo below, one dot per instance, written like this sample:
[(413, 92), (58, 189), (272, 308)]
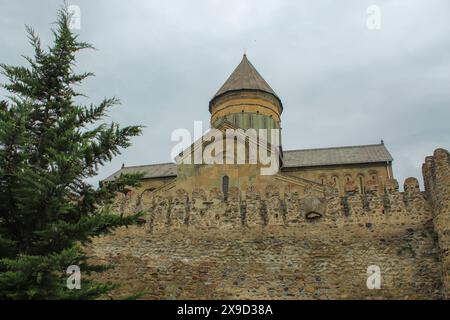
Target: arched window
[(323, 180), (349, 180), (373, 175), (361, 183), (335, 181), (225, 184)]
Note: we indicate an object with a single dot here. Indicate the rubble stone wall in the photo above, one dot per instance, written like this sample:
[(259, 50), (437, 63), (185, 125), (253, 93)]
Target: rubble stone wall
[(436, 172), (285, 242)]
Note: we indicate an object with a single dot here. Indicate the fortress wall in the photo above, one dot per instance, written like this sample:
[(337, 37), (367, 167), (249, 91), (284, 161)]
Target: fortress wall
[(436, 172), (292, 206), (317, 263), (281, 242)]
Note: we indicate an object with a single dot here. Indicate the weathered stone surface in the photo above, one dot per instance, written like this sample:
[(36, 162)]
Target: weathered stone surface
[(275, 214), (436, 172), (308, 263), (267, 244)]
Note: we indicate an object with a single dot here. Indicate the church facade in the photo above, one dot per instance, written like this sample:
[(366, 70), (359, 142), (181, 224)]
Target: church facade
[(246, 101)]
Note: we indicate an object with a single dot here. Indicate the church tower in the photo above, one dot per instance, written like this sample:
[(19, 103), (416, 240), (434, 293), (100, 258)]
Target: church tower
[(246, 100)]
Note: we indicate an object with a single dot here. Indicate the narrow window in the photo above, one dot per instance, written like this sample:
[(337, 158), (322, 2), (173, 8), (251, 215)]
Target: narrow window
[(225, 183), (361, 186)]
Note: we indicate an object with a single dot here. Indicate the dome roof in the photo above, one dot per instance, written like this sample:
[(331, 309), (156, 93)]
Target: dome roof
[(245, 77)]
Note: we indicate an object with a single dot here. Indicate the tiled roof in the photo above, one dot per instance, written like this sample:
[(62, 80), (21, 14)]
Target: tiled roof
[(245, 77), (158, 170), (337, 155), (291, 158)]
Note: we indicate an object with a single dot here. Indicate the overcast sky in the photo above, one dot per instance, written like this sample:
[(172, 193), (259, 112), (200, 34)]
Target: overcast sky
[(341, 83)]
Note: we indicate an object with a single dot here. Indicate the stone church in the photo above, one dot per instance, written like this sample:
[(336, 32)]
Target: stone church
[(247, 101), (329, 223)]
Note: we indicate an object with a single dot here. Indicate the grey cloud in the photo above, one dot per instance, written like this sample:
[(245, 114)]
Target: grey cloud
[(340, 83)]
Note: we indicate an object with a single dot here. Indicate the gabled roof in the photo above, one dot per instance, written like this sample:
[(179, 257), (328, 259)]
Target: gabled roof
[(245, 77), (374, 153), (337, 155), (159, 170), (205, 139)]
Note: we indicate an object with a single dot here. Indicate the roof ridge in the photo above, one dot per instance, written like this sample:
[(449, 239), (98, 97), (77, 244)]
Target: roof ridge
[(149, 165), (257, 76), (340, 147)]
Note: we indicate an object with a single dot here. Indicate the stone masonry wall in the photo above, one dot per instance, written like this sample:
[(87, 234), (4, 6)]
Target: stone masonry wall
[(436, 172), (285, 243)]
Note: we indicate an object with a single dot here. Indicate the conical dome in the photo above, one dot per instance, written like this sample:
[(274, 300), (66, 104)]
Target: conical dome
[(244, 78)]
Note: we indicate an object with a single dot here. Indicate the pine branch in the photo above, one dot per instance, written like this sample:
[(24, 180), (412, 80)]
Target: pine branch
[(48, 147)]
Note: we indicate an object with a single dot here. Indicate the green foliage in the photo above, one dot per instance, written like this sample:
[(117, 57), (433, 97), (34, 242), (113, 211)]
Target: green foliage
[(135, 296), (49, 146)]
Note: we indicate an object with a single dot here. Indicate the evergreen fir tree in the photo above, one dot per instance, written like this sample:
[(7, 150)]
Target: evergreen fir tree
[(49, 146)]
